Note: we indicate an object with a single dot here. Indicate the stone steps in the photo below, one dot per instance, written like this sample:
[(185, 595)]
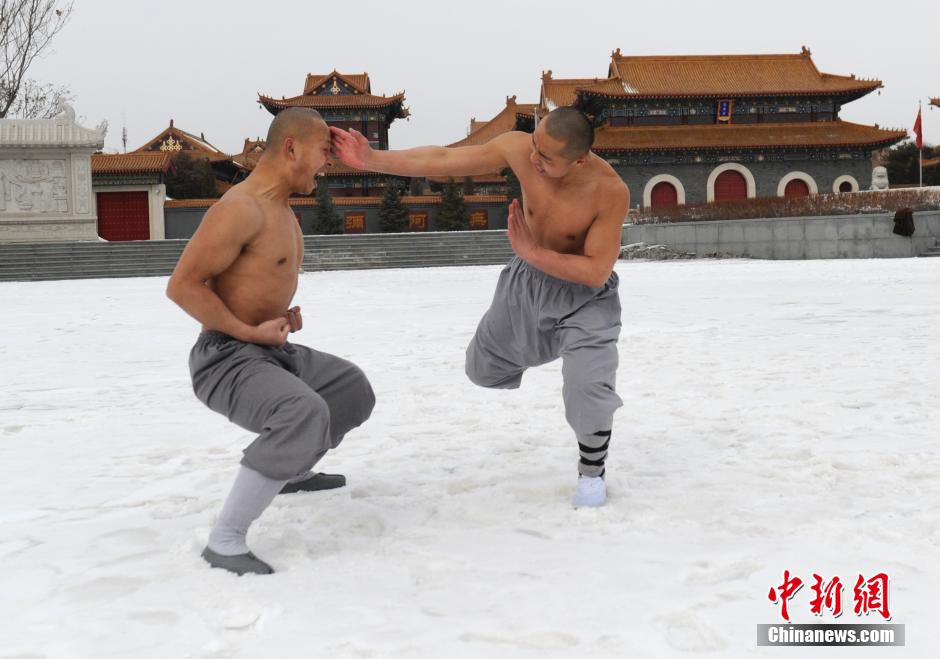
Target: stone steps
[(92, 260)]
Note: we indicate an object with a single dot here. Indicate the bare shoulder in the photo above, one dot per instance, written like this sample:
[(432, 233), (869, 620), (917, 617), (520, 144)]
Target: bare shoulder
[(514, 142), (611, 186), (237, 213)]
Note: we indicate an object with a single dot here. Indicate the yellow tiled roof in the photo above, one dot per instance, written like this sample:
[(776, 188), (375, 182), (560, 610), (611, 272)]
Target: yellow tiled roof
[(130, 163), (740, 75), (714, 136)]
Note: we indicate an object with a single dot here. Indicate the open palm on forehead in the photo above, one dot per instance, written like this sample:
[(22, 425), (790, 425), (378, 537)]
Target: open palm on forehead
[(351, 147)]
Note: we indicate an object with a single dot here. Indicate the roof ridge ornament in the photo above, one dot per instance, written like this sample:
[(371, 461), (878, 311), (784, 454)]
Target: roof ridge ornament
[(171, 145), (805, 52)]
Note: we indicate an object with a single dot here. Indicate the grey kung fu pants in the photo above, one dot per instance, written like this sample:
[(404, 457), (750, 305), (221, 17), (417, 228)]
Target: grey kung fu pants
[(301, 402), (534, 319)]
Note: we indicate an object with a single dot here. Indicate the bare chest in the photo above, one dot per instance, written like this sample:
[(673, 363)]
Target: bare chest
[(558, 220), (278, 250)]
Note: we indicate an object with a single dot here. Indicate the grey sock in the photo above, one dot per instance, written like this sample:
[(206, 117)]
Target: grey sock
[(251, 494)]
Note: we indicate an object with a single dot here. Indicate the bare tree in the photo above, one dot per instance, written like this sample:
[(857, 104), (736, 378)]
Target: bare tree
[(36, 101), (26, 28)]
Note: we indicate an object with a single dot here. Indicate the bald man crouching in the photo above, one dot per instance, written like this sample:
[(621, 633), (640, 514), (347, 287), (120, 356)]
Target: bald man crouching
[(237, 276)]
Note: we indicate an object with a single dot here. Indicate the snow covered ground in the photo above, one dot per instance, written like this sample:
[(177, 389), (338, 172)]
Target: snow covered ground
[(778, 416)]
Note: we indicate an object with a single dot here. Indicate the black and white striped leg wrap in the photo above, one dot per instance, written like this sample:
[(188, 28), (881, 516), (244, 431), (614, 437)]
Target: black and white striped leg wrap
[(593, 450)]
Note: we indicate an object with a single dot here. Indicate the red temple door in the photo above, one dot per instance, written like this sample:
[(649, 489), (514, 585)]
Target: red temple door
[(730, 185), (845, 186), (796, 188), (664, 194), (124, 215)]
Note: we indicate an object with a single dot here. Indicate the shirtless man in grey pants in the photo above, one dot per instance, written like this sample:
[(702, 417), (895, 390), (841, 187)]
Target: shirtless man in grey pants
[(237, 277), (558, 297)]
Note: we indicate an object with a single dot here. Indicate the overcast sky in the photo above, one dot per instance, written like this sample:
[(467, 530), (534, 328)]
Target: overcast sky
[(138, 63)]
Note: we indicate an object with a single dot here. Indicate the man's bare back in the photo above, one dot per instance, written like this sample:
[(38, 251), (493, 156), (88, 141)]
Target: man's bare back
[(261, 282)]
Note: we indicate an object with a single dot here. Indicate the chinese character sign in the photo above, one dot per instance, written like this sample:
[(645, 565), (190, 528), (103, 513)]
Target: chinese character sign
[(869, 595), (355, 222)]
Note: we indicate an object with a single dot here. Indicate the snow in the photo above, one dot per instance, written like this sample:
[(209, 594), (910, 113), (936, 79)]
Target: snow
[(779, 415)]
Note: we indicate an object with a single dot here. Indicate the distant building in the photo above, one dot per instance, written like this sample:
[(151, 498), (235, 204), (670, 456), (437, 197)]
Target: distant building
[(346, 101), (130, 192), (130, 187), (691, 129)]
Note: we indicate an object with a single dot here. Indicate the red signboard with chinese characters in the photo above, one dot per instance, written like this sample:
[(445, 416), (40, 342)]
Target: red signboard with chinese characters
[(355, 222), (479, 220), (418, 221)]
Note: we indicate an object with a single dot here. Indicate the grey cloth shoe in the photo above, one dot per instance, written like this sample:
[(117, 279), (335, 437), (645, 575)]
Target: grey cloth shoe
[(315, 483), (239, 564)]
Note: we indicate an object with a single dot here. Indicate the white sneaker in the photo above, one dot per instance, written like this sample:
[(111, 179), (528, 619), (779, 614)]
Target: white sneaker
[(591, 492)]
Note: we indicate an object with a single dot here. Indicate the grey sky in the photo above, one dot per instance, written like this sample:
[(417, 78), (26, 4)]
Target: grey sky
[(201, 62)]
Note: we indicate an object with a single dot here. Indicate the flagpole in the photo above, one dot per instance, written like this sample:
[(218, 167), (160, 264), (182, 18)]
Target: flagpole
[(921, 150)]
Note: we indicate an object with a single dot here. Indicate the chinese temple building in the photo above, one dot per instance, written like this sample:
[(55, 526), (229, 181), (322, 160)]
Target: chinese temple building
[(174, 141), (346, 101), (251, 152), (692, 129), (130, 192), (712, 128), (130, 187)]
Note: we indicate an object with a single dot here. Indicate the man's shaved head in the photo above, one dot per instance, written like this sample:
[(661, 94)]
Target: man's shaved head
[(293, 122), (572, 128)]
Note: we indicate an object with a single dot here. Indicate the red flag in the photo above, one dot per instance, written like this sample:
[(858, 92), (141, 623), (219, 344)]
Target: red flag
[(918, 131)]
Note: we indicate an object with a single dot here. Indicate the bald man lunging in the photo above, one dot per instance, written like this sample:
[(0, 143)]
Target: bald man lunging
[(237, 277), (558, 297)]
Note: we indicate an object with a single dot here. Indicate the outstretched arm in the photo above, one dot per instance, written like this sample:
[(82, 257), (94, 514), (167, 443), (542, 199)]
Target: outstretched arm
[(353, 149), (226, 228), (601, 246)]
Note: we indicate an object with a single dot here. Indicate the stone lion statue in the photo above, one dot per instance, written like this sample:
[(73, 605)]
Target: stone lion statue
[(64, 111)]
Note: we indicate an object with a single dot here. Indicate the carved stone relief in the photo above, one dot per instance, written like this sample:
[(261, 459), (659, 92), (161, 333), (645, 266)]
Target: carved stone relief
[(33, 186)]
